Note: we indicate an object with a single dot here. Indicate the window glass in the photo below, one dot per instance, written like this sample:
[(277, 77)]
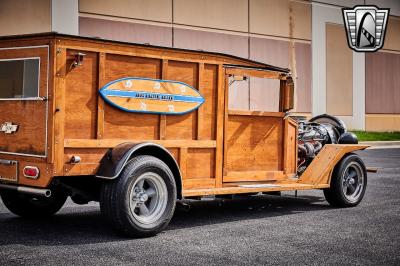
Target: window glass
[(19, 78)]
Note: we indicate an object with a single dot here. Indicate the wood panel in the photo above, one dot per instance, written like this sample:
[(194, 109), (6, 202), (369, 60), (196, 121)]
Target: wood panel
[(59, 112), (81, 97), (120, 124), (90, 161), (263, 187), (247, 176), (101, 77), (110, 143), (182, 126), (209, 83), (200, 163), (198, 183), (253, 143), (290, 146), (30, 116), (222, 102)]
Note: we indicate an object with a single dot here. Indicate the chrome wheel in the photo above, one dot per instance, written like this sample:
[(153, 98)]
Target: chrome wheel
[(353, 182), (148, 198)]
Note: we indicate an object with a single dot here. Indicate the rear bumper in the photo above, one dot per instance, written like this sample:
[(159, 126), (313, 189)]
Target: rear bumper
[(12, 167)]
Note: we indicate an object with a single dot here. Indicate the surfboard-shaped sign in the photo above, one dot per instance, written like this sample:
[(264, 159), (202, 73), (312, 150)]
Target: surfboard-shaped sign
[(153, 96)]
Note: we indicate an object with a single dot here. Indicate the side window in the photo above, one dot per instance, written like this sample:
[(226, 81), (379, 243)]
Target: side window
[(254, 94), (19, 78)]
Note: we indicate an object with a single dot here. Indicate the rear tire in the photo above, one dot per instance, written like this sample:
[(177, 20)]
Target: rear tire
[(348, 182), (141, 201), (26, 205)]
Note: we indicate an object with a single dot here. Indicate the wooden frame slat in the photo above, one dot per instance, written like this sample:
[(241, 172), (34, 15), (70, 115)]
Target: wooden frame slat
[(163, 118), (200, 111), (258, 73), (183, 162), (221, 108), (256, 113), (242, 176), (100, 102), (59, 112), (110, 143)]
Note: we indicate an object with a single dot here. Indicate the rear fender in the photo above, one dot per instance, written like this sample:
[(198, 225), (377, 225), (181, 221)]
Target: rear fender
[(115, 160), (320, 170)]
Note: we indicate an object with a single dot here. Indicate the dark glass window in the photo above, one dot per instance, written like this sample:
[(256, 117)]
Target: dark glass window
[(19, 78)]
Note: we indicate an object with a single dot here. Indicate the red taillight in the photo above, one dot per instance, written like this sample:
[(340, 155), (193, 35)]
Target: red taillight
[(31, 172)]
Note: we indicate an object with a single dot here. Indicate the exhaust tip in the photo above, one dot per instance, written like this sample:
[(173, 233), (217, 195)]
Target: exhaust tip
[(47, 194)]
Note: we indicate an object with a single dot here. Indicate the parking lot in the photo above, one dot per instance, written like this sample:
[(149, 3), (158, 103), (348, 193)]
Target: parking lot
[(254, 230)]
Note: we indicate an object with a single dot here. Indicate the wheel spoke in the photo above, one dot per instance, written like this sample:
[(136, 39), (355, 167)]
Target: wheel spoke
[(134, 203), (140, 184), (351, 189), (352, 174), (150, 192), (345, 187), (144, 210)]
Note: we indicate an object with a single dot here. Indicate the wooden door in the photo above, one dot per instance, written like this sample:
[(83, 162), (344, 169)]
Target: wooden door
[(24, 100), (253, 140)]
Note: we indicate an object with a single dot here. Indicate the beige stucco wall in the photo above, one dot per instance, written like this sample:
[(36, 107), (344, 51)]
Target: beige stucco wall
[(155, 10), (221, 14), (24, 16), (283, 18), (339, 72), (382, 122)]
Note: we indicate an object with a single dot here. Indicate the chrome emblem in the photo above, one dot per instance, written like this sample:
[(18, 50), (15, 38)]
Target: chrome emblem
[(8, 128), (365, 27)]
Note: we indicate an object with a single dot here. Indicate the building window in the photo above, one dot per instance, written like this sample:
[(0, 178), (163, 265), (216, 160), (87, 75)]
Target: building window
[(19, 78)]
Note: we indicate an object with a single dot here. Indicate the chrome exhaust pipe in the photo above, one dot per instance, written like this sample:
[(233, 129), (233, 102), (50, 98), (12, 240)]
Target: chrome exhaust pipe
[(28, 190)]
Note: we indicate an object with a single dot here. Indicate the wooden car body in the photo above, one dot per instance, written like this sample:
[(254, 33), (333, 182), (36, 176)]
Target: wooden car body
[(217, 150)]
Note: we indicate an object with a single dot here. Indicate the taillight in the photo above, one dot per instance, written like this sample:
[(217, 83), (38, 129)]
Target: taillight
[(31, 172)]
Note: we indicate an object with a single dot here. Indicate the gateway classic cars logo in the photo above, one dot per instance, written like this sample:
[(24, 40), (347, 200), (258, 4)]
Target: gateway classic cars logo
[(365, 27)]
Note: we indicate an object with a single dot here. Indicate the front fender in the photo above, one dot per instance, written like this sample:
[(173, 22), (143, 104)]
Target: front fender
[(319, 172)]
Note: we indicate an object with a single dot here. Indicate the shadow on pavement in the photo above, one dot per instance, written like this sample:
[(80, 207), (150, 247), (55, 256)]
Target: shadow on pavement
[(87, 226)]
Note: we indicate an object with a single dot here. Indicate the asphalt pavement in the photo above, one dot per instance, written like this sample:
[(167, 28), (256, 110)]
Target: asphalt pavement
[(256, 230)]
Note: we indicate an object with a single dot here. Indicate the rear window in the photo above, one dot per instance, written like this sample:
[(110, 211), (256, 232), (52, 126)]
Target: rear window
[(19, 78)]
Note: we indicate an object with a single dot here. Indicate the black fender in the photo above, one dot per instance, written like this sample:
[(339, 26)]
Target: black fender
[(116, 158)]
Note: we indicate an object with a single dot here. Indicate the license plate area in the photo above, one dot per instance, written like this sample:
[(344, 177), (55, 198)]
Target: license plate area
[(9, 170)]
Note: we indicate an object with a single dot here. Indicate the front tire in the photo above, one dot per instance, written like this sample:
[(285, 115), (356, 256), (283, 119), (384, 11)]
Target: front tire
[(26, 205), (348, 182), (141, 201)]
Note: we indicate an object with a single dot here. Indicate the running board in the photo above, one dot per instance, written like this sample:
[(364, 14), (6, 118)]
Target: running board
[(250, 188)]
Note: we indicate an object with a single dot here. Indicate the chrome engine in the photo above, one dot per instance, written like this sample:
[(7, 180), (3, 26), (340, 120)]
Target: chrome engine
[(317, 132)]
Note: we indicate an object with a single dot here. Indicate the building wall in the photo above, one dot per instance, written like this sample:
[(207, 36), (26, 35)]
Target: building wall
[(24, 16), (271, 31), (362, 89), (382, 86)]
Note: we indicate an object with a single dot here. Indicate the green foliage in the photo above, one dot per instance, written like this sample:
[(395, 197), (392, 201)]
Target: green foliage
[(377, 136)]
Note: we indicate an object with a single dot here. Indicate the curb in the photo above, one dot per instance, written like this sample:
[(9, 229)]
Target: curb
[(382, 144)]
